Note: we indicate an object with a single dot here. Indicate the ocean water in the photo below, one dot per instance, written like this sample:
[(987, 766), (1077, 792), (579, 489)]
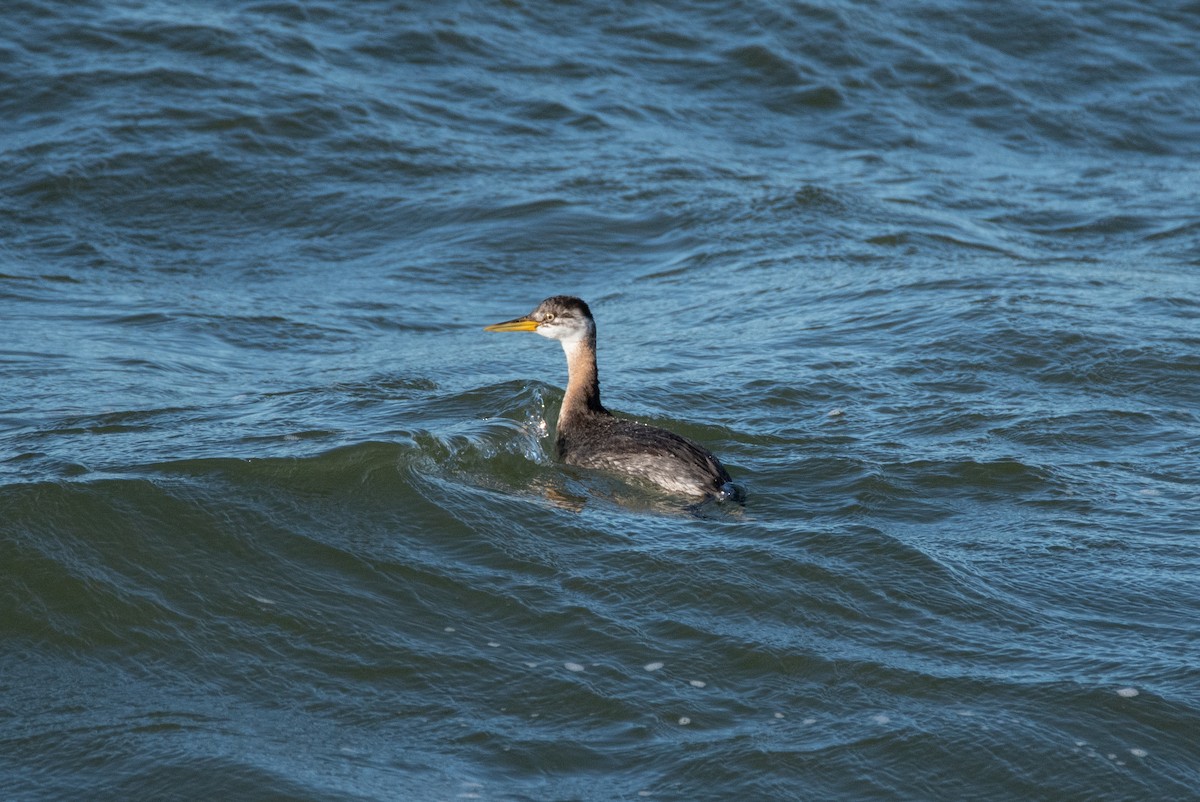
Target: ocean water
[(278, 520)]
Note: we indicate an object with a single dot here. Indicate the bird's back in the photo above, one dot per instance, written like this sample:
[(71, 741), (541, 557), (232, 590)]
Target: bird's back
[(664, 458)]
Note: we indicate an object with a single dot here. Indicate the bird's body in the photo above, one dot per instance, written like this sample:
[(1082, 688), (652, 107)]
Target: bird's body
[(673, 463), (591, 437)]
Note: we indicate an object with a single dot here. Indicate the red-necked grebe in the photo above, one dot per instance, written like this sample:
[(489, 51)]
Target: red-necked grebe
[(591, 437)]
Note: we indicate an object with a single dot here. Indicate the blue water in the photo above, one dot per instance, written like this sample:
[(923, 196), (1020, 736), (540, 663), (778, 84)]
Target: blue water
[(278, 520)]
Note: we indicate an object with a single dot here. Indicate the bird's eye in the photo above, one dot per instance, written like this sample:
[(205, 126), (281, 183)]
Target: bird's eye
[(549, 317)]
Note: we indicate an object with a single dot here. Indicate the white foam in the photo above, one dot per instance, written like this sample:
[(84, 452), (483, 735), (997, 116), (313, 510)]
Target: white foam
[(1138, 752), (573, 666), (655, 666), (810, 721), (881, 718), (1128, 693), (779, 715), (697, 683), (447, 629), (684, 721), (493, 644)]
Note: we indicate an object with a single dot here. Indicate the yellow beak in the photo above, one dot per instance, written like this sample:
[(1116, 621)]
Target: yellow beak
[(520, 324)]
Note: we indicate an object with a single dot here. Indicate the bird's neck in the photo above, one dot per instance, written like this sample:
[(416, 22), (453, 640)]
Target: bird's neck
[(583, 381)]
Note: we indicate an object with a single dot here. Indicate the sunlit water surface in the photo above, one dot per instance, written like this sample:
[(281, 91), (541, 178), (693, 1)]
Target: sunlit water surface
[(278, 520)]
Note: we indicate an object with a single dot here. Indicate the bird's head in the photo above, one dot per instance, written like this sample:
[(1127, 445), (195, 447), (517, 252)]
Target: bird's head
[(562, 317)]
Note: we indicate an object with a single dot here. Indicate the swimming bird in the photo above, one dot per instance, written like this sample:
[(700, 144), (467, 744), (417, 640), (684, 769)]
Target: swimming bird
[(592, 437)]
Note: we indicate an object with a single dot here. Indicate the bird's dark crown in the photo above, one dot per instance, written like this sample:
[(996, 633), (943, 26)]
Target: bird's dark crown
[(562, 305)]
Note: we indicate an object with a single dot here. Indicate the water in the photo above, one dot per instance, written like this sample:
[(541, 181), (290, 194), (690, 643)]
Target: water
[(278, 520)]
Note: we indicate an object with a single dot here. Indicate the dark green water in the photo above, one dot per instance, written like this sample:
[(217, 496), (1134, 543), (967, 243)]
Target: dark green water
[(278, 520)]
